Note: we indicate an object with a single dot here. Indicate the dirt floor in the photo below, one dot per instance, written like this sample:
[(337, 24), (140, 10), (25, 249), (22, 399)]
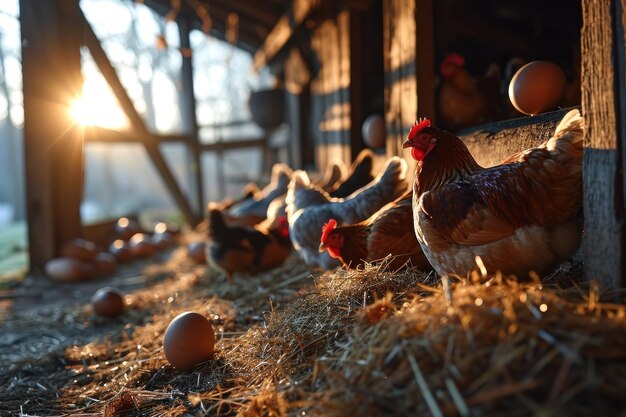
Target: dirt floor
[(299, 342)]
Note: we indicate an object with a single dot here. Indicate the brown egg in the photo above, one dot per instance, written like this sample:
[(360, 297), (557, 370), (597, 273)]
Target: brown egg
[(80, 249), (188, 340), (69, 270), (121, 250), (141, 246), (105, 264), (537, 87), (197, 252), (126, 228), (108, 302), (162, 240)]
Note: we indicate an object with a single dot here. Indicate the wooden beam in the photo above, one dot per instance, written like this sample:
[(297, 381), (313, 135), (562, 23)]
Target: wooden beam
[(399, 46), (235, 144), (357, 93), (151, 146), (188, 113), (602, 50), (425, 60), (279, 38), (255, 10), (52, 144)]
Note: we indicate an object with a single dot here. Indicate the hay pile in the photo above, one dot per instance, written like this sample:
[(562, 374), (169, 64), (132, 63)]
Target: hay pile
[(368, 343)]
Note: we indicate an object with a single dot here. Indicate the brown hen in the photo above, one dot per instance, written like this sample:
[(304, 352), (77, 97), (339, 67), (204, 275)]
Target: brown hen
[(523, 215), (384, 234)]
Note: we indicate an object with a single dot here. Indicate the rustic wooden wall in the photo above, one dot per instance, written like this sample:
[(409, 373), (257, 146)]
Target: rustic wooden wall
[(330, 90), (408, 44), (602, 46)]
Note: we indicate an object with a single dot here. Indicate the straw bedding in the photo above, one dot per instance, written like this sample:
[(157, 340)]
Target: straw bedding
[(300, 342)]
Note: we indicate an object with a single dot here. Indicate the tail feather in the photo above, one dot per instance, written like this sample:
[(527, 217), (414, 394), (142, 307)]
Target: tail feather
[(570, 130), (217, 224), (393, 179), (566, 146)]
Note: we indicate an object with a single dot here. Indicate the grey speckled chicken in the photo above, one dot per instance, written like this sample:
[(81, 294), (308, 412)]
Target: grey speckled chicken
[(257, 206), (309, 207)]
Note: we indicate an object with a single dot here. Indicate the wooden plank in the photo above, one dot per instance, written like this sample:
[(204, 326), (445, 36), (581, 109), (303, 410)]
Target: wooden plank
[(604, 140), (425, 60), (188, 113), (277, 41), (490, 144), (52, 144), (330, 91), (357, 93), (151, 146), (231, 145), (400, 71)]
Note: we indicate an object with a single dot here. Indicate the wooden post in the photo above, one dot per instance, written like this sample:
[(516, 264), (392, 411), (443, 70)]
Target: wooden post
[(188, 113), (53, 145), (409, 78), (603, 104), (357, 96)]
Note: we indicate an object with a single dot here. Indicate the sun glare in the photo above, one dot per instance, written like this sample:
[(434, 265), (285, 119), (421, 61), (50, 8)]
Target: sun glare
[(98, 107)]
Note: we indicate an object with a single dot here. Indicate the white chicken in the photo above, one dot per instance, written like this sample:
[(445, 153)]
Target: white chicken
[(309, 207)]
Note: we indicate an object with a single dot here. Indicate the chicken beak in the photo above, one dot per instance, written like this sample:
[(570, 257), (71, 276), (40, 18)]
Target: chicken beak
[(323, 247), (407, 144)]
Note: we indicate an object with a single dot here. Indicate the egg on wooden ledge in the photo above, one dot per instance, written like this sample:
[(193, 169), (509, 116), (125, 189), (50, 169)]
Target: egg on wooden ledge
[(108, 302), (537, 87), (188, 341), (66, 269)]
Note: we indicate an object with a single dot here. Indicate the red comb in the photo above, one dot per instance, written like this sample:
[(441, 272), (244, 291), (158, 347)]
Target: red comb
[(454, 59), (418, 126), (283, 226), (328, 227)]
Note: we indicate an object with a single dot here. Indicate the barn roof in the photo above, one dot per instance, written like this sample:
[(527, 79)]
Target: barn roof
[(256, 19)]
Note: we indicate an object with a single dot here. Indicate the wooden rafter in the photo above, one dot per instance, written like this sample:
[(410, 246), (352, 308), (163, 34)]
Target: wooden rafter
[(147, 139), (278, 40)]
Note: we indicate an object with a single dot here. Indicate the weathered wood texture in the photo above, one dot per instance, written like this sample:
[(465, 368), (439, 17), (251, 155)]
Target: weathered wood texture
[(279, 39), (492, 143), (52, 141), (188, 113), (604, 140), (330, 90), (399, 45)]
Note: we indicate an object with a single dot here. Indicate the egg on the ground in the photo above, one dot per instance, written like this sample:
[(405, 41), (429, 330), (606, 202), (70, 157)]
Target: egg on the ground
[(197, 252), (163, 240), (126, 228), (537, 87), (69, 270), (121, 250), (189, 340), (141, 245), (108, 302), (105, 263), (80, 249)]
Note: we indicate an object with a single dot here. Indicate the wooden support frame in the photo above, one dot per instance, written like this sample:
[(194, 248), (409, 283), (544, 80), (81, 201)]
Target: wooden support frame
[(148, 140), (278, 41), (52, 141), (604, 111), (188, 112)]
